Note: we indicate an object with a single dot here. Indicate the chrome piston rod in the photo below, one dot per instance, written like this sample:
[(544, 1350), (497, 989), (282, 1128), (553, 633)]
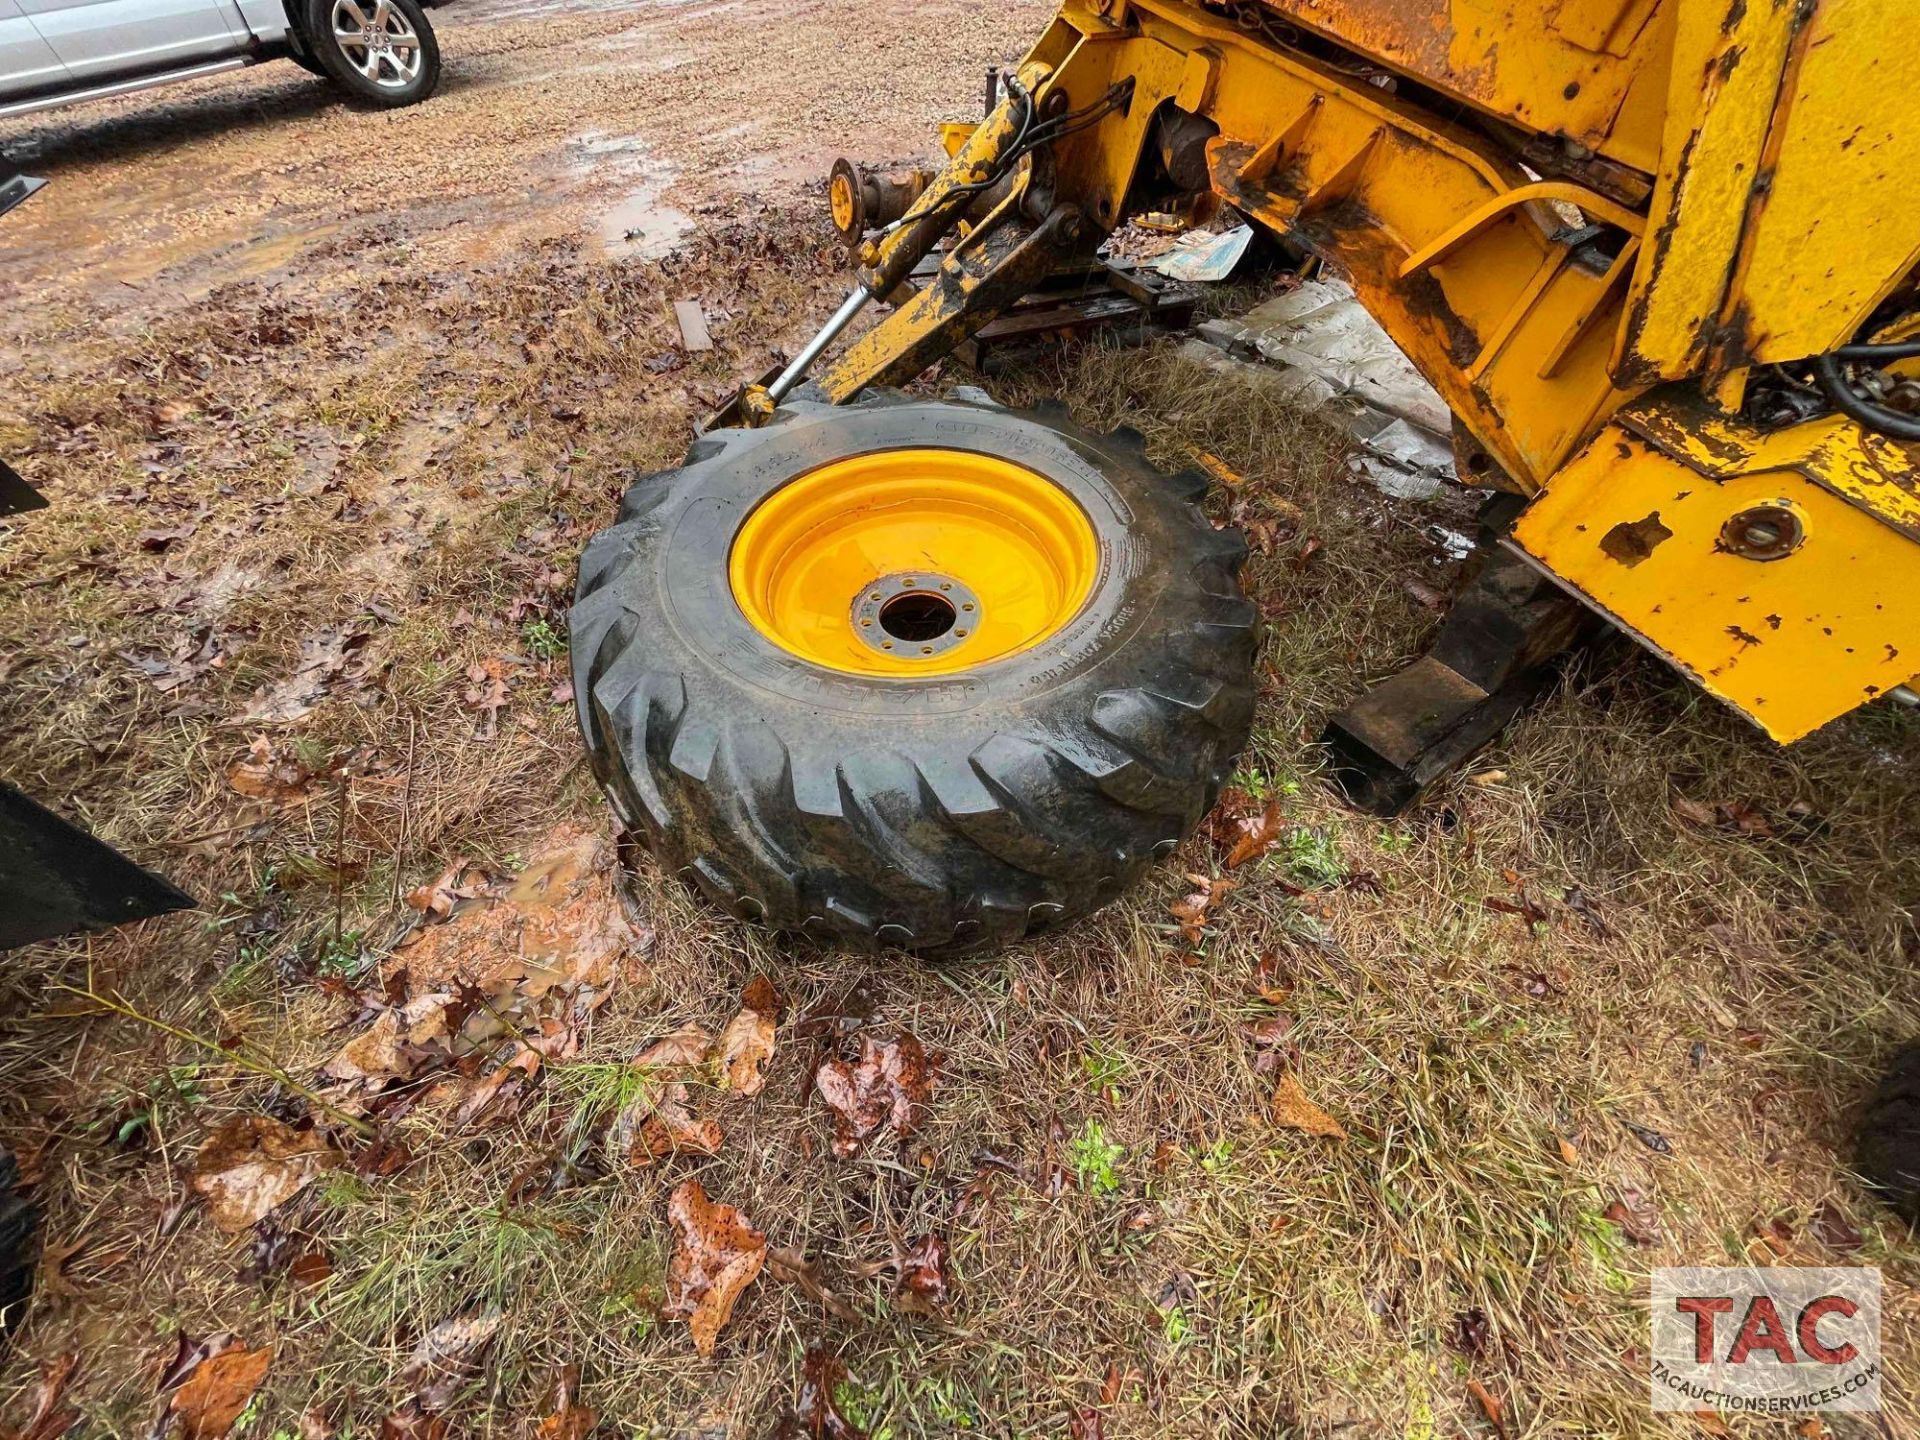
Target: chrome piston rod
[(814, 348)]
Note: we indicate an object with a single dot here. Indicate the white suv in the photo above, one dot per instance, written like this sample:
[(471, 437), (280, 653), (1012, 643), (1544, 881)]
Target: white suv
[(60, 52)]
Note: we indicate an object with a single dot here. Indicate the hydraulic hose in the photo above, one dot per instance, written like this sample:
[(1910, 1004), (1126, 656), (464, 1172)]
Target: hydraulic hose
[(1831, 372)]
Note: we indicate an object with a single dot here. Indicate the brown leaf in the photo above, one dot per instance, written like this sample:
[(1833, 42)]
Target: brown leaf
[(568, 1421), (1832, 1229), (310, 1267), (716, 1255), (792, 1267), (55, 1256), (50, 1421), (658, 1122), (488, 694), (1193, 910), (1292, 1108), (1693, 812), (922, 1284), (445, 1356), (254, 1163), (745, 1045), (816, 1412), (439, 895), (267, 774), (1255, 835), (315, 1424), (1710, 1423), (1636, 1215), (412, 1422), (892, 1081), (1490, 1406), (1085, 1424), (1271, 981), (212, 1397)]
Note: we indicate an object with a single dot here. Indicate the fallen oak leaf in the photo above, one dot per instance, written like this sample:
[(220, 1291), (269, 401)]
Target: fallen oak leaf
[(568, 1421), (268, 775), (922, 1284), (1192, 911), (657, 1122), (412, 1422), (212, 1397), (488, 694), (49, 1421), (254, 1163), (746, 1043), (1634, 1212), (1292, 1108), (893, 1081), (1256, 835), (716, 1255), (446, 1354), (816, 1411)]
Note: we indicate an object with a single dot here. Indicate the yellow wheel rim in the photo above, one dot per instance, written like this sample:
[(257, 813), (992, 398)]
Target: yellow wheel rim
[(913, 562), (840, 196)]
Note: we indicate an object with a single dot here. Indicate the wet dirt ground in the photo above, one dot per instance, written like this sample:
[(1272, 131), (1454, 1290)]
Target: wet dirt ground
[(619, 123)]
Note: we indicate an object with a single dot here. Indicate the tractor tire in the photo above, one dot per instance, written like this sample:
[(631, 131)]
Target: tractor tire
[(19, 1247), (944, 811), (1887, 1144)]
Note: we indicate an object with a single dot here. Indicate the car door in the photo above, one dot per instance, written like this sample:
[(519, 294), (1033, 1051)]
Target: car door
[(27, 62), (97, 39)]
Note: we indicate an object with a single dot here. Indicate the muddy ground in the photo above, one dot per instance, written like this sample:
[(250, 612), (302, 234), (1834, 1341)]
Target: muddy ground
[(326, 403)]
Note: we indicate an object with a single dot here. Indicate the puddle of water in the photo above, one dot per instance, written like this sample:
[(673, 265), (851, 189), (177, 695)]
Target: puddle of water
[(637, 225)]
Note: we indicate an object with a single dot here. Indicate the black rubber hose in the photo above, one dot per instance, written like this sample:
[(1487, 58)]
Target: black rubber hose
[(1881, 353), (1830, 371)]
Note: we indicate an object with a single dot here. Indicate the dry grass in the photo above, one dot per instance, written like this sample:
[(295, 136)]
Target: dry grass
[(422, 481)]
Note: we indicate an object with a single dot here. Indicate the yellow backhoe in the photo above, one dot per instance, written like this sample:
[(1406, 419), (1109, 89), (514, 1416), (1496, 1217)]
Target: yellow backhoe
[(933, 675)]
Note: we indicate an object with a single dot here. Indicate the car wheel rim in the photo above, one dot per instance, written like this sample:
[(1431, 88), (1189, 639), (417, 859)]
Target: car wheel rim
[(378, 40), (913, 562)]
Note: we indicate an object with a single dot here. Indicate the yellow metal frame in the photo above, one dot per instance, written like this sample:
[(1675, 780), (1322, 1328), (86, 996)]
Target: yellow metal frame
[(1586, 222)]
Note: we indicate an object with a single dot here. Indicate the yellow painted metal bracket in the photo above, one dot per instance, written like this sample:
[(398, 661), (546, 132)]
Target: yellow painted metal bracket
[(1776, 570)]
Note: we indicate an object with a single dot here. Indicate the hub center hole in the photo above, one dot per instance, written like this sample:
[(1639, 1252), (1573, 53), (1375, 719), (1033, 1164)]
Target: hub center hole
[(918, 615)]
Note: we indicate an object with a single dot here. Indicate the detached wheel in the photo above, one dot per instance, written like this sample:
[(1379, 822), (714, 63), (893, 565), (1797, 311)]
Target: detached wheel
[(1887, 1146), (380, 51), (915, 674)]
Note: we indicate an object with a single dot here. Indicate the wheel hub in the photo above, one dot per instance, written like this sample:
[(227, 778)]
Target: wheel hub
[(913, 562)]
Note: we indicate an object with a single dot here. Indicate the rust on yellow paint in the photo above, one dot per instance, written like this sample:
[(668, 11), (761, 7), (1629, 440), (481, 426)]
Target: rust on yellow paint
[(1783, 213), (1593, 72), (1839, 173), (1696, 188), (1641, 533)]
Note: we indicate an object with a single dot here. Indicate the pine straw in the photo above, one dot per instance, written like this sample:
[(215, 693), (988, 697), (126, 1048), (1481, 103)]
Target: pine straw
[(1245, 1279)]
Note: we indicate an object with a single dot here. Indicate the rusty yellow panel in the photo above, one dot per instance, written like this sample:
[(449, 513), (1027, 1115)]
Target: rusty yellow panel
[(1728, 60), (1839, 226), (1878, 474), (1678, 559), (1570, 76)]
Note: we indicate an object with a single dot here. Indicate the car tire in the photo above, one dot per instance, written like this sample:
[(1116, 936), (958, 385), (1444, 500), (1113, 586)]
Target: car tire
[(376, 71), (944, 813), (1887, 1143)]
